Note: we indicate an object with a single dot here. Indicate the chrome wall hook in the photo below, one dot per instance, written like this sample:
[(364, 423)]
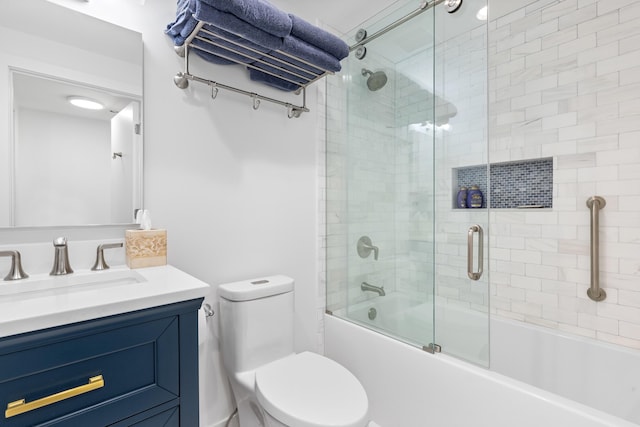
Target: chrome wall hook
[(256, 101), (116, 154), (293, 112)]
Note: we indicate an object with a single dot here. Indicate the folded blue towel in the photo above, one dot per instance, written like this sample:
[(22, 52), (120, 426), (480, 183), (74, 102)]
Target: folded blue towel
[(217, 54), (259, 76), (318, 37), (290, 74), (307, 52), (184, 23), (259, 13), (230, 23)]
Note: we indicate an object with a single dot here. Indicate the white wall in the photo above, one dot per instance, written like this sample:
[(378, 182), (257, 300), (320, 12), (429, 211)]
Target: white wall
[(234, 187)]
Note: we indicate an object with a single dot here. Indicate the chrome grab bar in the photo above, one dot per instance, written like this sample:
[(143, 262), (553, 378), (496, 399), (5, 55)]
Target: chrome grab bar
[(472, 230), (595, 203)]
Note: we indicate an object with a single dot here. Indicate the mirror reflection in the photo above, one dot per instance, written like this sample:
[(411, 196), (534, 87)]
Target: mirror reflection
[(62, 165), (73, 164)]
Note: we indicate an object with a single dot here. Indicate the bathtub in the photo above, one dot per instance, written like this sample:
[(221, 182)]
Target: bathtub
[(460, 333), (537, 377)]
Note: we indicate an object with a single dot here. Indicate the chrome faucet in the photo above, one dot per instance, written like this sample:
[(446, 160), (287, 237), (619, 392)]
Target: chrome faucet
[(364, 286), (61, 264), (16, 272), (100, 263)]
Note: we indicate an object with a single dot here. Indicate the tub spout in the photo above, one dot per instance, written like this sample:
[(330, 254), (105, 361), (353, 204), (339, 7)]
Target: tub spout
[(364, 286)]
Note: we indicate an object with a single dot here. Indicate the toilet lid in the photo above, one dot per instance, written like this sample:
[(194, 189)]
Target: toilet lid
[(309, 390)]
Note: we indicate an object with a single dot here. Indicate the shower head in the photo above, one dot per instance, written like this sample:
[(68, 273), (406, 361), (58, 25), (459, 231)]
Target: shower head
[(375, 80)]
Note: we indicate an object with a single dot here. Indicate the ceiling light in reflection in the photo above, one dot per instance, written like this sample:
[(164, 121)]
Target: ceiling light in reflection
[(86, 103), (482, 14)]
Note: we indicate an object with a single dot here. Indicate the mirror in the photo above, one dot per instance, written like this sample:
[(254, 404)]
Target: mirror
[(63, 165)]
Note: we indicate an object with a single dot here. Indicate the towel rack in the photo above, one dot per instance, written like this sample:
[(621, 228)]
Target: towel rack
[(202, 34)]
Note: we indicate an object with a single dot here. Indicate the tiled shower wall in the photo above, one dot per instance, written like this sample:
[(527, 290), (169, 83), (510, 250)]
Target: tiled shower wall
[(364, 170), (564, 82)]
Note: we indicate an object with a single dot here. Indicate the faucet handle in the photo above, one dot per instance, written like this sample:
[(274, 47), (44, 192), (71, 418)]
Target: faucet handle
[(100, 263), (16, 272), (365, 247)]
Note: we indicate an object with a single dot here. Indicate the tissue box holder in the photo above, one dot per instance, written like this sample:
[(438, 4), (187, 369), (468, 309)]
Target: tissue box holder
[(146, 248)]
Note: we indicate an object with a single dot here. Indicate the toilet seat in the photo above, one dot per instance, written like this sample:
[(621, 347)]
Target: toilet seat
[(309, 390)]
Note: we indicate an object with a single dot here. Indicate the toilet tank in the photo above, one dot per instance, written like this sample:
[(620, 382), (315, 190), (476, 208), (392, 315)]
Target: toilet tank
[(256, 322)]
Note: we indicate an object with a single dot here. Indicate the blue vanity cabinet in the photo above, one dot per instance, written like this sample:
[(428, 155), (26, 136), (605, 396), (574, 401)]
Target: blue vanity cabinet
[(133, 369)]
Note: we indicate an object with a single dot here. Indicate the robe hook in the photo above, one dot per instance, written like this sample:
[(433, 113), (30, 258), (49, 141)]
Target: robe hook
[(293, 112), (256, 101)]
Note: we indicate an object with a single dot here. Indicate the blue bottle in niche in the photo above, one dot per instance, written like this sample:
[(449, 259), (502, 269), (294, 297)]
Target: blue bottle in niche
[(461, 199), (474, 197)]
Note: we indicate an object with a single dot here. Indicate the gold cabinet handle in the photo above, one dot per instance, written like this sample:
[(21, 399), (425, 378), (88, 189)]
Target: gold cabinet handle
[(20, 406)]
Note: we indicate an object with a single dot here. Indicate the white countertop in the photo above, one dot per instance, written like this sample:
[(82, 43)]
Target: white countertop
[(43, 301)]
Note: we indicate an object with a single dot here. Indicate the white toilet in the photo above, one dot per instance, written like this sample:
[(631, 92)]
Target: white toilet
[(272, 385)]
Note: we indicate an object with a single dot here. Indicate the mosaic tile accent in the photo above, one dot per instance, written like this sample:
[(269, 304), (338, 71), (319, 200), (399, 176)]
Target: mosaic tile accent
[(526, 183)]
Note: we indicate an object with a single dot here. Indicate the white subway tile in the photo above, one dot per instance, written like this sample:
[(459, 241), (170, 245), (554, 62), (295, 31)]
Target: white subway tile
[(601, 22), (577, 45), (560, 260), (522, 102), (618, 188), (630, 330), (621, 125), (587, 130), (577, 74), (589, 321), (538, 84), (631, 12), (542, 30), (564, 92), (629, 298), (619, 312), (559, 37), (620, 32), (542, 57), (563, 317), (618, 340), (573, 19), (560, 121), (540, 111), (526, 308), (630, 107), (618, 63), (545, 299), (600, 53), (542, 271), (598, 84), (510, 293), (560, 287), (607, 6), (508, 18)]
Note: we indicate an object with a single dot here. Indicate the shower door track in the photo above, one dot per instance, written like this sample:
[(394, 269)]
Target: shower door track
[(424, 6)]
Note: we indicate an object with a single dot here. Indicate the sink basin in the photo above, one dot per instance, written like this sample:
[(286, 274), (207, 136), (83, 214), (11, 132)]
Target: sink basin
[(35, 287), (42, 301)]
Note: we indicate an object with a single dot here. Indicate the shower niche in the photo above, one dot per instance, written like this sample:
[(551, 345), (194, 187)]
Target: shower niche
[(525, 184)]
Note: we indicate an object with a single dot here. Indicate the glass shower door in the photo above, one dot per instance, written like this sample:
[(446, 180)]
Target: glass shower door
[(396, 131), (461, 161)]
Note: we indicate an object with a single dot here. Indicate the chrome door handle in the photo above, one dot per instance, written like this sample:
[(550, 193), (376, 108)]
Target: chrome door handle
[(472, 230)]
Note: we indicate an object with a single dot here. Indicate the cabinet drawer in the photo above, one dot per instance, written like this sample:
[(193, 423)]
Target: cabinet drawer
[(138, 363)]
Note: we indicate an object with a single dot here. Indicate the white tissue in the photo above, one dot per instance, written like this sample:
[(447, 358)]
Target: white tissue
[(145, 221)]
